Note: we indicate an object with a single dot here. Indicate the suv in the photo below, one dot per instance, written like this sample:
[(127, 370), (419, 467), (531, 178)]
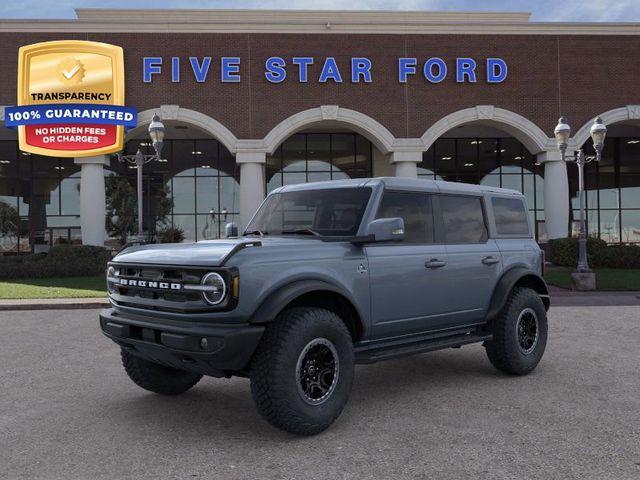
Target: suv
[(327, 275)]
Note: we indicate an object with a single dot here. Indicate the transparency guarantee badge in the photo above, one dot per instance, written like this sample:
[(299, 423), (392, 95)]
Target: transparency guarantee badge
[(71, 99)]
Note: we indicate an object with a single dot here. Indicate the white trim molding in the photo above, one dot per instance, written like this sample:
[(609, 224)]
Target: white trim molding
[(373, 130), (200, 120), (531, 136), (622, 114), (312, 21)]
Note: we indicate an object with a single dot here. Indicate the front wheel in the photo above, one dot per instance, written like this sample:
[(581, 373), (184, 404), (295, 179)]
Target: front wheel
[(302, 371), (519, 333), (157, 378)]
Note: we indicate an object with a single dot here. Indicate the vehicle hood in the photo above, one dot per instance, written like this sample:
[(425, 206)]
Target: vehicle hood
[(213, 253)]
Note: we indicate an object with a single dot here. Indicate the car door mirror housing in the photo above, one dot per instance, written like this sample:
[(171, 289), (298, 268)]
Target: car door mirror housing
[(230, 230), (386, 230)]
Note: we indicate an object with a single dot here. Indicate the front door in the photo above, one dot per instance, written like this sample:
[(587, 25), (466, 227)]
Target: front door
[(408, 286)]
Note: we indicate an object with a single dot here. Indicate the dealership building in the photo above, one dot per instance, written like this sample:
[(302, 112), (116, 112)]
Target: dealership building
[(253, 100)]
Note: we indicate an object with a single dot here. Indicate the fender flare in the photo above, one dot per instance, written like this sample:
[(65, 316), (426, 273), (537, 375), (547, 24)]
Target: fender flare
[(282, 296), (506, 283)]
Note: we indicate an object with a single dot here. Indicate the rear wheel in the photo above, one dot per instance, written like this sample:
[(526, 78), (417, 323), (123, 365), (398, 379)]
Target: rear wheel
[(519, 333), (302, 371), (157, 378)]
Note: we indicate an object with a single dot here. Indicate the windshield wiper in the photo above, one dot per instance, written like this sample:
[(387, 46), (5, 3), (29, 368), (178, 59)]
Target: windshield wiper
[(302, 231), (255, 232)]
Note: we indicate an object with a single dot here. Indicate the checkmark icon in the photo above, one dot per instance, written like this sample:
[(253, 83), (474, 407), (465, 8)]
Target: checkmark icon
[(71, 73)]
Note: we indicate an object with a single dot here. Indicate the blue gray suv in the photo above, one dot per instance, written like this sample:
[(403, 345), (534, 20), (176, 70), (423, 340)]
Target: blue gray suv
[(327, 275)]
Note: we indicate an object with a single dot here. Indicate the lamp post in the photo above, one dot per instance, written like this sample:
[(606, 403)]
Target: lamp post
[(598, 132), (156, 133)]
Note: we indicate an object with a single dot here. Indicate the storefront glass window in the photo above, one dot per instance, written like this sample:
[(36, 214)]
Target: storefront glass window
[(316, 157), (612, 191)]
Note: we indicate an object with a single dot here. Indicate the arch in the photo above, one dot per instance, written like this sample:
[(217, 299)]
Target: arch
[(527, 132), (373, 130), (629, 112), (197, 119)]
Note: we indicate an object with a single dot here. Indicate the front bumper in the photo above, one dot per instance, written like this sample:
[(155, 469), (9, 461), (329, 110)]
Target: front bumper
[(210, 349)]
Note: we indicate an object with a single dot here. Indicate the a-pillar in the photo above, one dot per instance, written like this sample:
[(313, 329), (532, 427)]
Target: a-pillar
[(406, 163), (92, 199), (556, 194), (252, 184)]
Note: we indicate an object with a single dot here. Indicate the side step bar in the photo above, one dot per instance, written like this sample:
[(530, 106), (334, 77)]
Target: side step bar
[(377, 354)]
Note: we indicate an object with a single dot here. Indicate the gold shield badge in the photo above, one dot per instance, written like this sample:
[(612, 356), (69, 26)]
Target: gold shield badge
[(69, 96)]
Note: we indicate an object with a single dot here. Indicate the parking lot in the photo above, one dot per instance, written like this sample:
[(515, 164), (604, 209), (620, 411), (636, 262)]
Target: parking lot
[(68, 411)]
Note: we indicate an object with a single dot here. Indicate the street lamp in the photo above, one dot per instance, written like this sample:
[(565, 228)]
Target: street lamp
[(156, 133), (562, 133)]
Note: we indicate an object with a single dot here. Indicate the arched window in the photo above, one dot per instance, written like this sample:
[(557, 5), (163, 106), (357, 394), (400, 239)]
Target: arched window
[(314, 157), (200, 180)]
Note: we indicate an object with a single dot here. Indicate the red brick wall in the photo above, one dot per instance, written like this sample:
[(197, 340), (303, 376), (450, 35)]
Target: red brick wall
[(578, 76)]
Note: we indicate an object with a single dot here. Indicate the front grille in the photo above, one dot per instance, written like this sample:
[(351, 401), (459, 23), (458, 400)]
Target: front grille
[(152, 296)]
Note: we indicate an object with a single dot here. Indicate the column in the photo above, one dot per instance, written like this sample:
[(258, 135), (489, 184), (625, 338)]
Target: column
[(406, 163), (93, 208), (252, 184), (556, 194)]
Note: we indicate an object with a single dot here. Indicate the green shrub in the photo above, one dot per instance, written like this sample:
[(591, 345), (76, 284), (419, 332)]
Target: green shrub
[(619, 256), (61, 261), (564, 252), (171, 235)]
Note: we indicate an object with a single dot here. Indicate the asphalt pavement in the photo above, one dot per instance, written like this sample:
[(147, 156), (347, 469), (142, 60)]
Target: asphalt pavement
[(68, 411)]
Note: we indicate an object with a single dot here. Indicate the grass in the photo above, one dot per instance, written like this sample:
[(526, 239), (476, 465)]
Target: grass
[(71, 287), (607, 279)]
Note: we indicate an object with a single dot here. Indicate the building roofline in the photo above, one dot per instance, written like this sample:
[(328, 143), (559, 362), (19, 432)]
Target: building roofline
[(310, 21), (279, 16)]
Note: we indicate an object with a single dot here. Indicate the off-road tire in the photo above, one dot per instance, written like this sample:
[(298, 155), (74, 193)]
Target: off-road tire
[(157, 378), (504, 350), (275, 370)]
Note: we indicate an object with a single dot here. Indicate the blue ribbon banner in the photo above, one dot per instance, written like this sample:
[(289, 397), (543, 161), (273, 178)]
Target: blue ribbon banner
[(70, 113)]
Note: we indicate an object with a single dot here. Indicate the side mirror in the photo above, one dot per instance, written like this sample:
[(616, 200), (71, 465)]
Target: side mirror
[(230, 230), (386, 230)]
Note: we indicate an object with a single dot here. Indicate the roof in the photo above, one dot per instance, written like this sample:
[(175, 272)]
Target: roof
[(401, 183), (311, 21)]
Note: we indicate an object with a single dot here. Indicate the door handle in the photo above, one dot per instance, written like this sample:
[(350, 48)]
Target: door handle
[(434, 263), (490, 260)]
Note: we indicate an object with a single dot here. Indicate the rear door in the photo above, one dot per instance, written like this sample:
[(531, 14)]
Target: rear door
[(474, 262), (408, 287)]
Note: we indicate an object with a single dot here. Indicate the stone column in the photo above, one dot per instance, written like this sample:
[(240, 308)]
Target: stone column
[(406, 163), (252, 184), (92, 199), (556, 194)]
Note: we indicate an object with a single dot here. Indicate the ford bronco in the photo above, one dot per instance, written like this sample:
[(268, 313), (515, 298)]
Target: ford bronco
[(328, 275)]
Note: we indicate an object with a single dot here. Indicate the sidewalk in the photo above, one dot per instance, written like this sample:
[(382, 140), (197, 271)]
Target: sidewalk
[(53, 304)]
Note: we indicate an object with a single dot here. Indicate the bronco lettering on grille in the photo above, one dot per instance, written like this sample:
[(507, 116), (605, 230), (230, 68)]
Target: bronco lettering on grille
[(150, 284)]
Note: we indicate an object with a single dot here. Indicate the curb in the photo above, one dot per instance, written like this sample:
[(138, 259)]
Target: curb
[(52, 304)]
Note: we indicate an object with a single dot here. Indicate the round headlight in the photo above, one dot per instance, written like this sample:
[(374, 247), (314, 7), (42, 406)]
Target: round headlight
[(215, 288), (111, 273)]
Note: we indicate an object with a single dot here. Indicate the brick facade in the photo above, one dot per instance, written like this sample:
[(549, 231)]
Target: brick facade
[(575, 75)]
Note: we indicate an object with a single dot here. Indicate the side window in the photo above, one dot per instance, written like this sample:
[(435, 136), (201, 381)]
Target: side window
[(463, 219), (414, 209), (511, 216)]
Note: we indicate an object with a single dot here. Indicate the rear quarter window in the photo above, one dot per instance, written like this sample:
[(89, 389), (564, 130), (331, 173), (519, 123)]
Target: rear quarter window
[(511, 216)]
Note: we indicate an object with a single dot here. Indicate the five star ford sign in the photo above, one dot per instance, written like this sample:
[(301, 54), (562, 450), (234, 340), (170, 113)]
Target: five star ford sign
[(70, 99)]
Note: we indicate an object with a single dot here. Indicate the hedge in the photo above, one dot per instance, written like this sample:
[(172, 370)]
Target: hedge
[(61, 261), (564, 252)]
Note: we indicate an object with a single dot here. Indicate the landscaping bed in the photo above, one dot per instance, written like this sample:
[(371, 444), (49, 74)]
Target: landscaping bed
[(607, 279), (69, 287)]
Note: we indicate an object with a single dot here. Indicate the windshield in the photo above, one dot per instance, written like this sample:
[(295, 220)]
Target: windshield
[(325, 212)]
